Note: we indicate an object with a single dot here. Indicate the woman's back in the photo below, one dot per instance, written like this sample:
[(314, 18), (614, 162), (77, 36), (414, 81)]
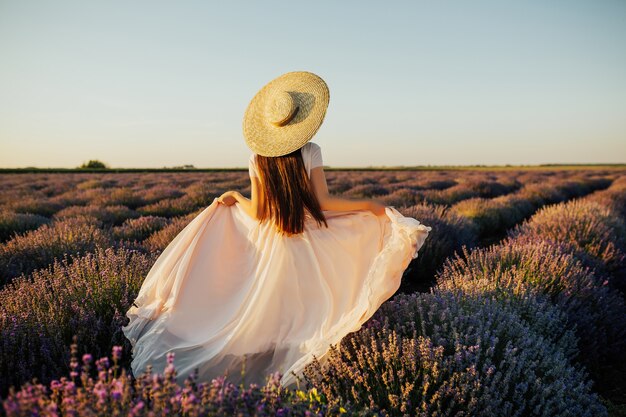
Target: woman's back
[(282, 191)]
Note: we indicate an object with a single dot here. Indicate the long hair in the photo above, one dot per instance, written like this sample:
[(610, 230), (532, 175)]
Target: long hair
[(286, 192)]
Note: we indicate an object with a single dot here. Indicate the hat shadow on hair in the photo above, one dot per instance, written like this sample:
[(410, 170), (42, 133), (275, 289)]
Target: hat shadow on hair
[(305, 103)]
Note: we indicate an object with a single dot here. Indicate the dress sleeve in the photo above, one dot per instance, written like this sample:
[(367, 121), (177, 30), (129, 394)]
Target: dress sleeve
[(316, 156), (252, 166)]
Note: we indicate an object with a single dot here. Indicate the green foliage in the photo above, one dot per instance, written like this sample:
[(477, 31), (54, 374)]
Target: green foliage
[(93, 164)]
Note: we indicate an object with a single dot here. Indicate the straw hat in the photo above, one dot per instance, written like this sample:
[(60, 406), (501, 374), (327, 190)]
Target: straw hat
[(285, 113)]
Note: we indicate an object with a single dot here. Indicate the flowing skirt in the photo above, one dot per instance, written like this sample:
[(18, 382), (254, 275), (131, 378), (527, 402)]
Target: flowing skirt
[(228, 288)]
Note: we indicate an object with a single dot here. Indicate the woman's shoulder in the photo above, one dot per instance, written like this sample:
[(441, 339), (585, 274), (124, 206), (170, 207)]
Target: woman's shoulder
[(314, 154), (252, 170), (311, 147)]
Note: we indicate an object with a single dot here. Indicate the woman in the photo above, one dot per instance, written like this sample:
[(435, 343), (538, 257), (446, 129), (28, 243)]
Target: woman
[(272, 281)]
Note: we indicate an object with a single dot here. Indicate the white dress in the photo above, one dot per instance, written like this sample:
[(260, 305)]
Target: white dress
[(227, 286)]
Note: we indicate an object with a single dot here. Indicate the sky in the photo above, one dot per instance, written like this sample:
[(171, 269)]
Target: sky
[(150, 84)]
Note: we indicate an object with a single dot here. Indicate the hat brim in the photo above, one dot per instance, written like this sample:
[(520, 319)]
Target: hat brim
[(309, 92)]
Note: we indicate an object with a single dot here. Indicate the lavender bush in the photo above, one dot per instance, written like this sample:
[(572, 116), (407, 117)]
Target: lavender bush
[(439, 184), (494, 215), (108, 215), (449, 233), (614, 197), (160, 192), (33, 205), (113, 392), (400, 198), (595, 311), (447, 196), (95, 183), (119, 196), (139, 229), (39, 248), (587, 225), (489, 188), (16, 223), (159, 240), (473, 186), (169, 208), (450, 354), (366, 191), (86, 296), (201, 194)]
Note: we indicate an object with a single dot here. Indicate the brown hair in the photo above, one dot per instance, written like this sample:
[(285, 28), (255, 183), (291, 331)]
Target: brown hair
[(286, 192)]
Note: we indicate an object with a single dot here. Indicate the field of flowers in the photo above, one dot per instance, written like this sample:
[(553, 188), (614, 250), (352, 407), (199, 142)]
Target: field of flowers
[(515, 305)]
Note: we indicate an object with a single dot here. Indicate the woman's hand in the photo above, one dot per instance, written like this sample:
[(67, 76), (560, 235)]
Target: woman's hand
[(228, 198), (377, 208)]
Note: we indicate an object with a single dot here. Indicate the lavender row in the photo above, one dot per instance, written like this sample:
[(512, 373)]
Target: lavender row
[(498, 214)]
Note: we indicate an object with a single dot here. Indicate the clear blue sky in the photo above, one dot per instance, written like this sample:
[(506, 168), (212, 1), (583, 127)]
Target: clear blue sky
[(155, 83)]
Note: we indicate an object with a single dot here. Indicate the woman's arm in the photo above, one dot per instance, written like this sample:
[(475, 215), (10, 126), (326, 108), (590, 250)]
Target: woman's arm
[(246, 204), (328, 202), (250, 206)]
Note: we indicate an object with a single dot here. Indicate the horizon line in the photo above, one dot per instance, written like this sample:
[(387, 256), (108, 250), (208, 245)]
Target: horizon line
[(191, 168)]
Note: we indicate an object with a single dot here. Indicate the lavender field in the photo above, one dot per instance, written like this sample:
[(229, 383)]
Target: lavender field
[(514, 307)]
